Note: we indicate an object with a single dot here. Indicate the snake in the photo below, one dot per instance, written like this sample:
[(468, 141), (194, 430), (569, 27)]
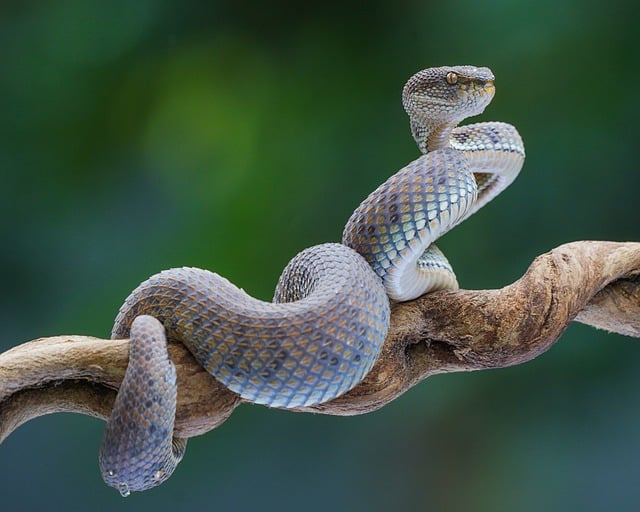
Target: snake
[(330, 314)]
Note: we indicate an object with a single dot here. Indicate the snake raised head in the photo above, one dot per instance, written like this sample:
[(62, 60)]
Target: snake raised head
[(325, 328)]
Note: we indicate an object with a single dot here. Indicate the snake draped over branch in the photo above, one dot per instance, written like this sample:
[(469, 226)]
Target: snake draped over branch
[(330, 314)]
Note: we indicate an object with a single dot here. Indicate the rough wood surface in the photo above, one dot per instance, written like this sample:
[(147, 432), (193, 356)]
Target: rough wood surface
[(596, 283)]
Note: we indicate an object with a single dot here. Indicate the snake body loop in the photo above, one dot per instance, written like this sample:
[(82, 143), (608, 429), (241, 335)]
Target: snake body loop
[(330, 315), (317, 341), (396, 224), (463, 168)]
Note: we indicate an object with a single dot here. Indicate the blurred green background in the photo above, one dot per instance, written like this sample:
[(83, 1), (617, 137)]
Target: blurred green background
[(137, 136)]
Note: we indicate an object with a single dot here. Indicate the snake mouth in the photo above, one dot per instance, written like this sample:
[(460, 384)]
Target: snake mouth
[(484, 93), (487, 88)]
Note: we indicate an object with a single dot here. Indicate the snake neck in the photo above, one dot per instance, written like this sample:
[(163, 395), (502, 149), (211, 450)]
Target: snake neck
[(431, 137)]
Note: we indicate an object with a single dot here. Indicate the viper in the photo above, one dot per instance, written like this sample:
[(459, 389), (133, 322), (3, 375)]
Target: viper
[(330, 314)]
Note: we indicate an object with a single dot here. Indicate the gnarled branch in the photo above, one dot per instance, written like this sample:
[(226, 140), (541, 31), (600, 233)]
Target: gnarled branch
[(596, 283)]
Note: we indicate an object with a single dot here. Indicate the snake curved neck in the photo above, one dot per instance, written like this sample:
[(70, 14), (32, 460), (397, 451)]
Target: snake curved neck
[(493, 170), (431, 136)]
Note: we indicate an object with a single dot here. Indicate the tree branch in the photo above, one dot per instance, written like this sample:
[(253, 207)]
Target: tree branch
[(596, 283)]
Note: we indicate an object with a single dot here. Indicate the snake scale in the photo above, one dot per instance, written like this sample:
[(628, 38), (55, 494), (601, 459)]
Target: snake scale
[(330, 315)]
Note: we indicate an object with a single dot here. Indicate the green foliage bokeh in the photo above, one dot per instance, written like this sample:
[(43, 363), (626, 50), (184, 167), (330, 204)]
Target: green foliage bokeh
[(138, 136)]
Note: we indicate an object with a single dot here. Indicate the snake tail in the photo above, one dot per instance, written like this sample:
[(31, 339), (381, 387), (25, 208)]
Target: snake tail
[(138, 449)]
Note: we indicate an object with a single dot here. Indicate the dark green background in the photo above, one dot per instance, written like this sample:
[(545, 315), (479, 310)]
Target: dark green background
[(137, 136)]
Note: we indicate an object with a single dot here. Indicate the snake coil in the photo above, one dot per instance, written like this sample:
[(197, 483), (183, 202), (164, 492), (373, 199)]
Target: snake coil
[(330, 315)]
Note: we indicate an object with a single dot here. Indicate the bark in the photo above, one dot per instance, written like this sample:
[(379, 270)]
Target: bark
[(595, 283)]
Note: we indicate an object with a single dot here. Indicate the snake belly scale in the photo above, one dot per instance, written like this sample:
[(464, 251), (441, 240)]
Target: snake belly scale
[(330, 315)]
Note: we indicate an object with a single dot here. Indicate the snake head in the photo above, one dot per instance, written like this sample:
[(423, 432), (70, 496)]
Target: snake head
[(447, 94)]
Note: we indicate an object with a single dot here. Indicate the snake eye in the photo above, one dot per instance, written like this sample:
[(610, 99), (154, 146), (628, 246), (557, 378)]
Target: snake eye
[(452, 78)]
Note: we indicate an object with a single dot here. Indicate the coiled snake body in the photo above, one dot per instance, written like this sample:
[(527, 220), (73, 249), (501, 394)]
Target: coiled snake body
[(330, 314)]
